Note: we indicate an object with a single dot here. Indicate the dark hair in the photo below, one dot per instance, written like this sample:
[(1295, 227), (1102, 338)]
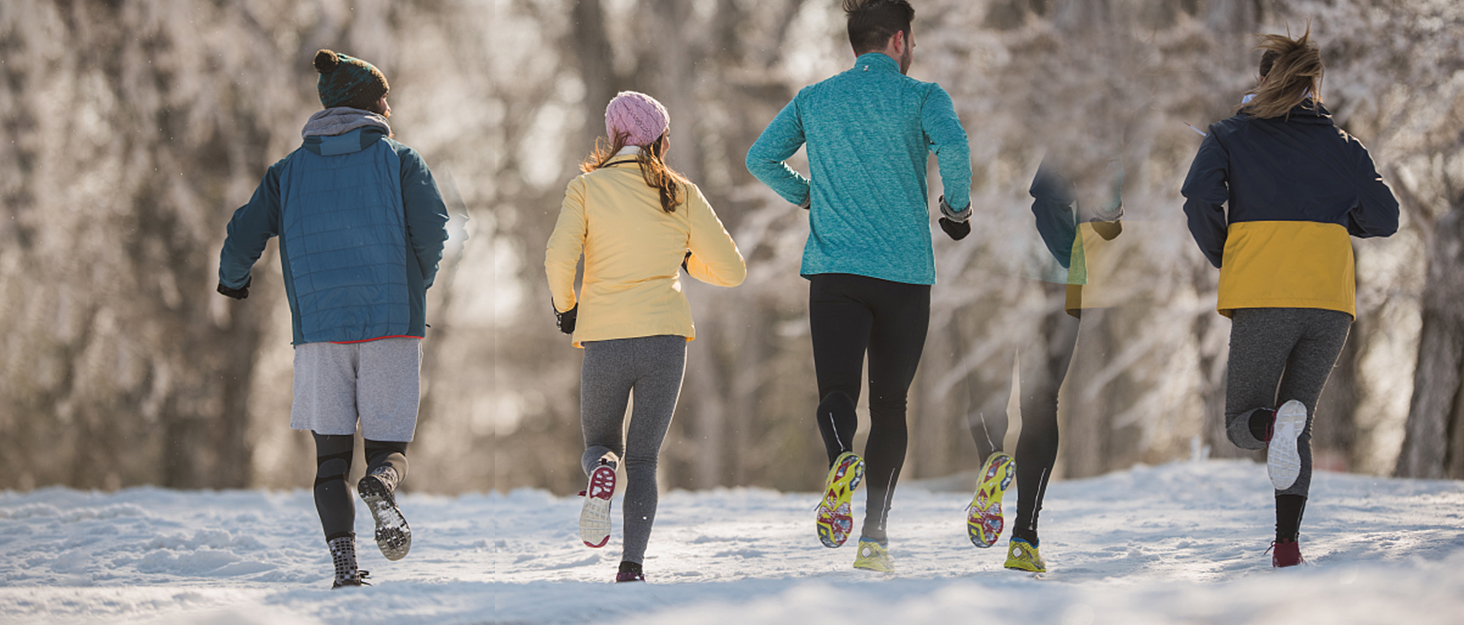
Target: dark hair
[(652, 159), (1292, 69), (873, 22)]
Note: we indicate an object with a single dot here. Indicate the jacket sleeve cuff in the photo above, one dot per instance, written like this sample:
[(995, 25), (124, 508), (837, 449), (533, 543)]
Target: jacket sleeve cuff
[(958, 216), (1109, 215)]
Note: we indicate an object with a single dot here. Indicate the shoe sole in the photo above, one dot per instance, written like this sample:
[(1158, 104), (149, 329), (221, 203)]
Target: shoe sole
[(1283, 459), (835, 518), (984, 520), (594, 521), (393, 535), (1023, 566)]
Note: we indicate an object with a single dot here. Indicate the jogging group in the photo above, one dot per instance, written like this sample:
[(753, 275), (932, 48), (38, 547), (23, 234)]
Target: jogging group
[(1272, 198)]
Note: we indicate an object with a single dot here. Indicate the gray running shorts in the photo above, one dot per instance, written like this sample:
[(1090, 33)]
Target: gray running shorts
[(378, 381)]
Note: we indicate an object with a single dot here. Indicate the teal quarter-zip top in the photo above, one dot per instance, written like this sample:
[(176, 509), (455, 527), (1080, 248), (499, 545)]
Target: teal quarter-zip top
[(869, 132)]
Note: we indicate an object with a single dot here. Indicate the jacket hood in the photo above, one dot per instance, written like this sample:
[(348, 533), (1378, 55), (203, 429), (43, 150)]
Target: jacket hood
[(340, 120)]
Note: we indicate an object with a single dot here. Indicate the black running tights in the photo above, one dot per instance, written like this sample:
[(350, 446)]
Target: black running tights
[(1041, 371), (333, 463), (849, 315)]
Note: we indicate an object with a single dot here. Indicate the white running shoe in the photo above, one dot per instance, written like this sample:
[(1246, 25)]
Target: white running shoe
[(594, 522), (1283, 459)]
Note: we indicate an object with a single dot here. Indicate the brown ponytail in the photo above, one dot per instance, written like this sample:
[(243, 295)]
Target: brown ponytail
[(652, 165), (1291, 73)]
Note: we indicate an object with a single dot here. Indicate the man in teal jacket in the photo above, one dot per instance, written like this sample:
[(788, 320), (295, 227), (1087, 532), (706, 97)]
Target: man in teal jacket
[(869, 132), (361, 227)]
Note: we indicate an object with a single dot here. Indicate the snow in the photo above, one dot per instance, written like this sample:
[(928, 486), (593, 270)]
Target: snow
[(1182, 542)]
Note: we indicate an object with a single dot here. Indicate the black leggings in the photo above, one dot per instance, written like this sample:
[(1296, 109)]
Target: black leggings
[(333, 463), (1042, 370), (848, 315)]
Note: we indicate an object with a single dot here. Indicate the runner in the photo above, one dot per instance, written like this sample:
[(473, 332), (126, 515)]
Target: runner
[(357, 268), (1293, 186), (638, 224), (869, 262), (1076, 226)]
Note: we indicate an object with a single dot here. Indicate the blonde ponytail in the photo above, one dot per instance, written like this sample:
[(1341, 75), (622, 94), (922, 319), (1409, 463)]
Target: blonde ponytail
[(1291, 72)]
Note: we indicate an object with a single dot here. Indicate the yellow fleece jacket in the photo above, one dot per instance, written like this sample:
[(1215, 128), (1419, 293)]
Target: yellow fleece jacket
[(633, 252)]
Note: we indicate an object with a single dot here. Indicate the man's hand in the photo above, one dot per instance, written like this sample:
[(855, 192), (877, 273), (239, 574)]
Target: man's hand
[(955, 223), (955, 231), (239, 293), (1109, 230)]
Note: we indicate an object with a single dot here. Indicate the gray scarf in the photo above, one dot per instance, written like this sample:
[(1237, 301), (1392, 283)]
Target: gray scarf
[(341, 120)]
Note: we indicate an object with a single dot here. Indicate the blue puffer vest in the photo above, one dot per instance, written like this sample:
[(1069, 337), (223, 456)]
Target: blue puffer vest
[(344, 239)]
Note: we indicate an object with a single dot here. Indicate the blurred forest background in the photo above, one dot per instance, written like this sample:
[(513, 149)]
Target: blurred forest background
[(130, 130)]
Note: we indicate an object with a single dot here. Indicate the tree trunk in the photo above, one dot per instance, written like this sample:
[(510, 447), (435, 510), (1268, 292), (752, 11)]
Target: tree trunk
[(597, 64), (1432, 446)]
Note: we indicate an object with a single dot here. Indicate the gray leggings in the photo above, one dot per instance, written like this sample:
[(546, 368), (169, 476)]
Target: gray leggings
[(1277, 355), (651, 367)]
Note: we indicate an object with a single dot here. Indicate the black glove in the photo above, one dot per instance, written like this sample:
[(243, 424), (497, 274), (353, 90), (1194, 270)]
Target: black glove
[(956, 231), (1109, 230), (239, 293), (565, 320)]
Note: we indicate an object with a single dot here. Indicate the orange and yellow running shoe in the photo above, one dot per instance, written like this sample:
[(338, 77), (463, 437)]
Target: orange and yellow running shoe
[(835, 520), (1023, 556), (983, 517)]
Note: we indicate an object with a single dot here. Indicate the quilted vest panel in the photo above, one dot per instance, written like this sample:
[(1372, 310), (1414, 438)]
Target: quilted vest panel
[(344, 235)]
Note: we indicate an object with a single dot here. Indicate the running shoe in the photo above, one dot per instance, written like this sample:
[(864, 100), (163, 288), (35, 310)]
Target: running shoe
[(1023, 556), (1283, 459), (393, 535), (835, 519), (594, 522), (343, 556), (873, 557), (983, 516), (1284, 554), (630, 572)]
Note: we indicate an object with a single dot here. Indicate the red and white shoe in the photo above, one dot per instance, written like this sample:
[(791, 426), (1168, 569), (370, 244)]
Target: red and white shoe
[(1284, 554), (594, 522)]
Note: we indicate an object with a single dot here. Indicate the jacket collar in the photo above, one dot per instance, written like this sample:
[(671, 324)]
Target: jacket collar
[(1311, 112), (348, 143), (876, 61)]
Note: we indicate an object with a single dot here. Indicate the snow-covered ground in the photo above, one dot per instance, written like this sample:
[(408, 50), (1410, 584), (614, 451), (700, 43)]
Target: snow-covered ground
[(1180, 543)]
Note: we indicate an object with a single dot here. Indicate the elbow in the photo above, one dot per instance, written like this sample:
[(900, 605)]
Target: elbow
[(752, 163), (738, 275)]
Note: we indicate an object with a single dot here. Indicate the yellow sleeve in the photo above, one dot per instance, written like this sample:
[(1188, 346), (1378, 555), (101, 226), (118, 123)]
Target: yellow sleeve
[(566, 243), (714, 256)]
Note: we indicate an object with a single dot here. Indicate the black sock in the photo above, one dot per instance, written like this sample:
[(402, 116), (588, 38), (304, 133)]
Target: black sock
[(627, 566), (1260, 423), (1289, 509), (1025, 534)]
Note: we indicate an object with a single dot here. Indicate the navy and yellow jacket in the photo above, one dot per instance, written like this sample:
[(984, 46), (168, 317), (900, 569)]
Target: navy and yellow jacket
[(1296, 186)]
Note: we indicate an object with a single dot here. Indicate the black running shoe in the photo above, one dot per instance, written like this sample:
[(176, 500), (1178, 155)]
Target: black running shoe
[(393, 535)]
